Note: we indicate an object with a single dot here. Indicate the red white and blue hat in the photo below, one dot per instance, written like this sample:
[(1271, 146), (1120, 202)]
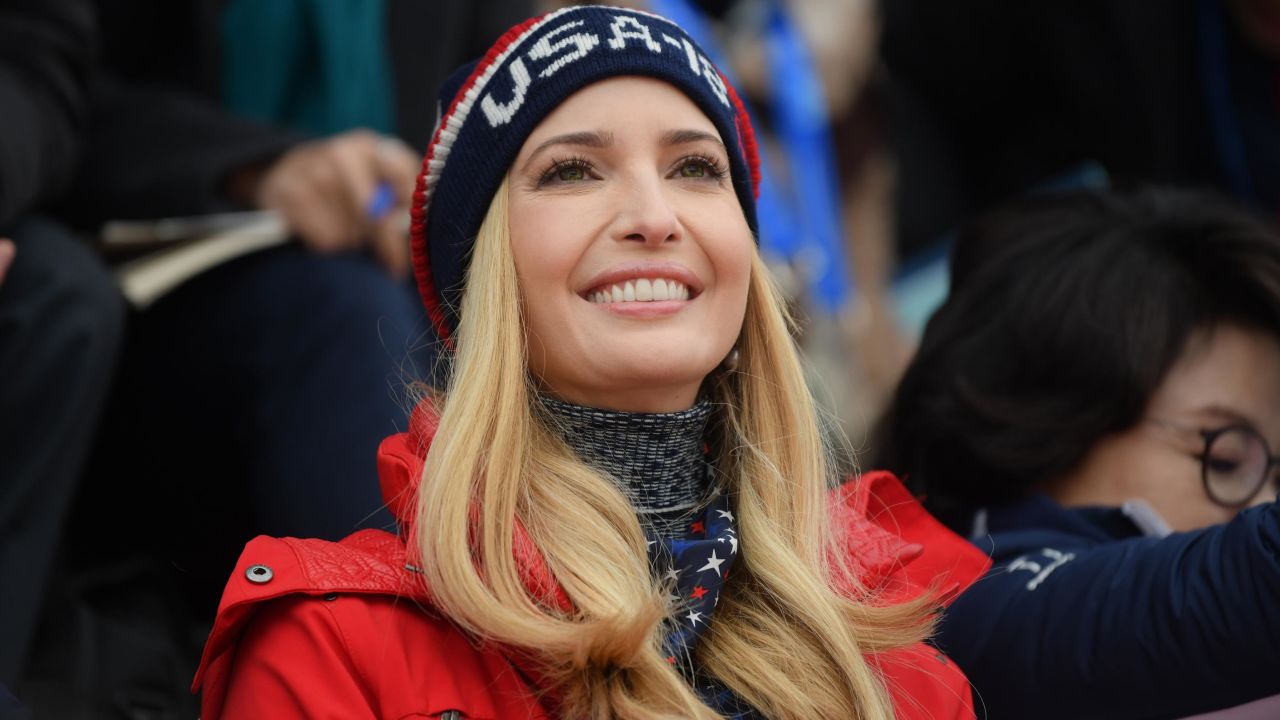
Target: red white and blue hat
[(489, 107)]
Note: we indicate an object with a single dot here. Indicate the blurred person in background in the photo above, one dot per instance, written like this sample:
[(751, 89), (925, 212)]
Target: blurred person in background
[(1097, 405), (252, 398), (997, 96), (61, 317), (300, 107)]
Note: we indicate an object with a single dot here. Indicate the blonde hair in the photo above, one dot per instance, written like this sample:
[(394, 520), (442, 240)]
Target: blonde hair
[(784, 638)]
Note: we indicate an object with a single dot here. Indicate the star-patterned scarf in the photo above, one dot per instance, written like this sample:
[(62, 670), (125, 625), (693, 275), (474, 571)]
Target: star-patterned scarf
[(695, 569)]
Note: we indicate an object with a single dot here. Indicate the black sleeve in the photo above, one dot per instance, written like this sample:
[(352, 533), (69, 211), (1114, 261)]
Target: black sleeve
[(46, 52), (159, 151)]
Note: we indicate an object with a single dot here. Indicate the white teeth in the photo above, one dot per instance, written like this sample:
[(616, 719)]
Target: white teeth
[(641, 290), (660, 290)]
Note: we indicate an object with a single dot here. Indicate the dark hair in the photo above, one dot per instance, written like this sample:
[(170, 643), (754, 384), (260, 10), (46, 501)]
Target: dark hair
[(1065, 313)]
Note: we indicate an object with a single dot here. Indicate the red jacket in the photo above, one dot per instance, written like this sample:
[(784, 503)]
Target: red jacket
[(314, 629)]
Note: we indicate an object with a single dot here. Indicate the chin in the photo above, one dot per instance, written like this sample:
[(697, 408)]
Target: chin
[(648, 370), (641, 382)]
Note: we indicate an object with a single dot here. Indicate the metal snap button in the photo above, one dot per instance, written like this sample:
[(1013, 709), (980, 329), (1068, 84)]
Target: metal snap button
[(259, 574)]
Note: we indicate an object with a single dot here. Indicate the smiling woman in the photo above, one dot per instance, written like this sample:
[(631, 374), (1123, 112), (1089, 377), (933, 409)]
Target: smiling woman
[(619, 505), (622, 213)]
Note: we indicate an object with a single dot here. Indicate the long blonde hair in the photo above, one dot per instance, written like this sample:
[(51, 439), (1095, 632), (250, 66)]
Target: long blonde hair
[(783, 637)]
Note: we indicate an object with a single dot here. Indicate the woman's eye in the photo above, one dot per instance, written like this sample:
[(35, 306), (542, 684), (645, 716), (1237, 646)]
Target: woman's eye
[(694, 169), (571, 173), (566, 171), (699, 168)]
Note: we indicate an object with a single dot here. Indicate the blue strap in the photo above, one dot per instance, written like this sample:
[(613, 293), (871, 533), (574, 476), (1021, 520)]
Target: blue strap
[(801, 224), (800, 115)]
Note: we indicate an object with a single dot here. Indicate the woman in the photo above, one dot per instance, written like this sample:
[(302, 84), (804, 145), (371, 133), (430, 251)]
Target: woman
[(1096, 404), (622, 503)]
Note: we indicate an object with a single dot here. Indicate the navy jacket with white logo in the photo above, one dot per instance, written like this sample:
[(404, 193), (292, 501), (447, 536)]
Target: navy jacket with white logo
[(1082, 616)]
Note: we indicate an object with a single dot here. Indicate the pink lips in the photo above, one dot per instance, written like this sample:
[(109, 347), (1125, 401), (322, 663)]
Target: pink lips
[(645, 310), (634, 271)]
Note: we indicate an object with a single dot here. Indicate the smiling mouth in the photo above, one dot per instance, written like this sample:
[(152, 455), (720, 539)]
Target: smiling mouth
[(640, 290)]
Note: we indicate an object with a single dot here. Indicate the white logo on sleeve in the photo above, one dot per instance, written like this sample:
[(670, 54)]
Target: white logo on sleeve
[(1040, 570)]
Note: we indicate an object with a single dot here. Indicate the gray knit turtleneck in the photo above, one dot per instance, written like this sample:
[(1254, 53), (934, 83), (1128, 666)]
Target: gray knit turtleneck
[(656, 458)]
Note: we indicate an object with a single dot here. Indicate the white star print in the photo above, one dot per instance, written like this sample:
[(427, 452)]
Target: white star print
[(733, 544), (725, 514), (672, 574), (713, 563), (694, 617)]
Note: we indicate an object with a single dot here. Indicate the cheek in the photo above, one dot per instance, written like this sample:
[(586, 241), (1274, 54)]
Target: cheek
[(732, 262), (544, 261)]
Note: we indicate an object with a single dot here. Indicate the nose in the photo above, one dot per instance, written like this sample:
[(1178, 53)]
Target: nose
[(646, 214)]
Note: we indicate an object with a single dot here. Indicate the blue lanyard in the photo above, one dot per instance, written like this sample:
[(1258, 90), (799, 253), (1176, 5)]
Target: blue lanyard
[(801, 224), (1216, 82)]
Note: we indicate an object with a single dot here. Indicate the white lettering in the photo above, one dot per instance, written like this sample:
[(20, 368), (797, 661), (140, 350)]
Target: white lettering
[(1041, 572), (641, 32), (543, 49), (692, 54), (573, 47), (501, 114), (713, 79)]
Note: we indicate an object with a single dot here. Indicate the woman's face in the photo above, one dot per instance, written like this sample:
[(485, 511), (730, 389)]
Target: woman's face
[(1226, 378), (631, 250)]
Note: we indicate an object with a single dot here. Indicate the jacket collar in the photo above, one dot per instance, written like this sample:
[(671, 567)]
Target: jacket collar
[(895, 549)]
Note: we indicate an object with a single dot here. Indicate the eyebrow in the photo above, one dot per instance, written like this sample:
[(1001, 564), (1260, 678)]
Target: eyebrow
[(684, 137), (587, 138), (1229, 414), (604, 138)]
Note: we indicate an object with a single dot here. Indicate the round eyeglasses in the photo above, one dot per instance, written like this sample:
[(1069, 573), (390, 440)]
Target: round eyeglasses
[(1235, 465)]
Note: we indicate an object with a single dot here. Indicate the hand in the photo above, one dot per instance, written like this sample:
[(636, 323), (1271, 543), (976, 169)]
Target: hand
[(324, 190), (7, 251)]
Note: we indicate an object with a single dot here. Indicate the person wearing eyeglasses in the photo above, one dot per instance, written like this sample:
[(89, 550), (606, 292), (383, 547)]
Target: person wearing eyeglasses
[(1097, 405)]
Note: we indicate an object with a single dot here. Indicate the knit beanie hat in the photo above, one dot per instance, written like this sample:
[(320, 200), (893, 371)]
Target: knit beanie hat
[(489, 107)]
